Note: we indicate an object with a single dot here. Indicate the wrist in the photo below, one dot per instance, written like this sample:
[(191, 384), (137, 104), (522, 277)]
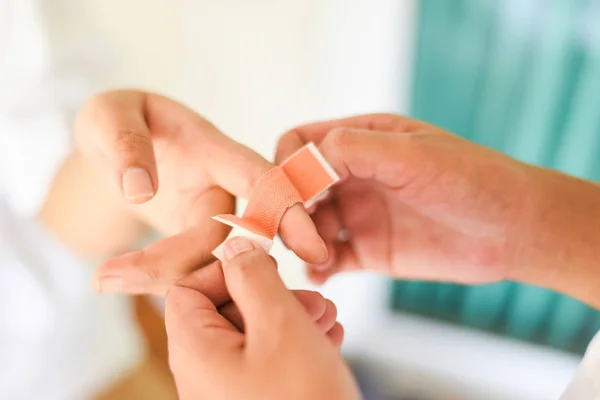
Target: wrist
[(560, 249)]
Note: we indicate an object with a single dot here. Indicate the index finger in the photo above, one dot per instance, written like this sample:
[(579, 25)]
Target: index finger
[(315, 132)]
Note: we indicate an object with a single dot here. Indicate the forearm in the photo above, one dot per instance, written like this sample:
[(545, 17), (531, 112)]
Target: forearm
[(563, 249), (86, 214)]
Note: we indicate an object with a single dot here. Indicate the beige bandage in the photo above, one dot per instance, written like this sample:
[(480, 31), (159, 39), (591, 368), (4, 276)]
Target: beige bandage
[(302, 178)]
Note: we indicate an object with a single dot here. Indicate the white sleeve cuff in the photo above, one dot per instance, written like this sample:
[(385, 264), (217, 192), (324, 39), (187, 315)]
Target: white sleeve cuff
[(32, 149)]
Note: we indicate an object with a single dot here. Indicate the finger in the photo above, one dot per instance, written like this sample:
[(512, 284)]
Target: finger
[(336, 335), (342, 257), (268, 307), (111, 129), (230, 311), (328, 222), (299, 234), (329, 225), (238, 169), (381, 156), (313, 302), (291, 141), (327, 320), (155, 268), (196, 330)]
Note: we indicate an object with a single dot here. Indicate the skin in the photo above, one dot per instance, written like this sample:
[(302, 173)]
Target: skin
[(420, 203), (88, 210), (414, 202), (281, 355), (119, 130), (196, 172)]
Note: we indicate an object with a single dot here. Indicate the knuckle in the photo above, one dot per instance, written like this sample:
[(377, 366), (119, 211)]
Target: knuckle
[(131, 140), (247, 262), (154, 275), (340, 138), (339, 135), (381, 120)]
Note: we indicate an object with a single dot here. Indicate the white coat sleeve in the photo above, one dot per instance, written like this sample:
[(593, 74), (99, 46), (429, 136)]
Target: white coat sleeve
[(585, 385), (50, 62)]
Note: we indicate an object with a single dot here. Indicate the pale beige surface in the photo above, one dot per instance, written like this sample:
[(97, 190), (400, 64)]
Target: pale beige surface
[(152, 380), (148, 382)]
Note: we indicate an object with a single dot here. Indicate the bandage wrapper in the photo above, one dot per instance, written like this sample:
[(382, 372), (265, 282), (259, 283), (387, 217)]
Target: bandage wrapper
[(302, 178)]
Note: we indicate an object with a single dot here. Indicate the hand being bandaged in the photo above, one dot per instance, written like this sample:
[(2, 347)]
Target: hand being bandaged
[(302, 178)]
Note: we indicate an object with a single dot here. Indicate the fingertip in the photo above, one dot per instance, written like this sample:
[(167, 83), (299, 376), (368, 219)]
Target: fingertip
[(138, 185), (107, 274), (327, 320), (236, 246), (288, 144), (320, 273), (128, 274), (316, 278), (314, 303), (247, 267), (327, 264), (336, 335), (300, 235)]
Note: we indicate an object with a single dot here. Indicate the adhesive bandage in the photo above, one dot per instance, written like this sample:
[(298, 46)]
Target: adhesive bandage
[(302, 178)]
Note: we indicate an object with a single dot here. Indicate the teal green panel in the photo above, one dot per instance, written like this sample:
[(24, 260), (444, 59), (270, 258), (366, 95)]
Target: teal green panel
[(530, 140), (417, 296), (444, 89), (506, 74), (528, 312), (448, 299), (578, 152), (484, 306), (567, 324)]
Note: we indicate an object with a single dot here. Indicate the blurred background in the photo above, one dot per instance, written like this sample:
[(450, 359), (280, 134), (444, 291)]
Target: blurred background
[(522, 76)]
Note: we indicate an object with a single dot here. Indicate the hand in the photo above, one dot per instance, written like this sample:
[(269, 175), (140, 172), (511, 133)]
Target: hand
[(139, 140), (417, 202), (281, 355)]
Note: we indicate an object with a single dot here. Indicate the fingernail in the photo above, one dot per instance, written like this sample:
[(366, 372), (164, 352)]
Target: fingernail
[(326, 264), (110, 284), (137, 184), (236, 246), (320, 267), (325, 250)]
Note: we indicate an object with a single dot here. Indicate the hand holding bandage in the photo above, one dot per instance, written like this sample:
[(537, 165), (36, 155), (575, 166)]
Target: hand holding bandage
[(179, 170), (302, 178)]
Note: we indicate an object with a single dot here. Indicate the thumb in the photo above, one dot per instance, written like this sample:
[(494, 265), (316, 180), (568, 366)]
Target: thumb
[(195, 329), (112, 130), (266, 305)]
